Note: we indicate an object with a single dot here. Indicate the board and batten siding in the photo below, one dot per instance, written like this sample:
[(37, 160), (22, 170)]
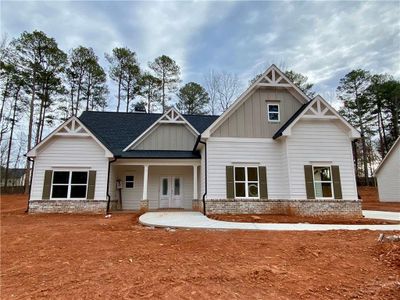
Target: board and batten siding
[(168, 137), (389, 177), (67, 153), (250, 119), (319, 143), (224, 152)]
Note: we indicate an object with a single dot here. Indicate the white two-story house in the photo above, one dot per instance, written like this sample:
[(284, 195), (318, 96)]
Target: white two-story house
[(273, 151)]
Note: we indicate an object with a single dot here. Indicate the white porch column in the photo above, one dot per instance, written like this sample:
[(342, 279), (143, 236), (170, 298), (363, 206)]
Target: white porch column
[(195, 183), (145, 181), (144, 203)]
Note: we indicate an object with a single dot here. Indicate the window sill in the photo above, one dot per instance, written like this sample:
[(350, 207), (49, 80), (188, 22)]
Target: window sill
[(68, 199)]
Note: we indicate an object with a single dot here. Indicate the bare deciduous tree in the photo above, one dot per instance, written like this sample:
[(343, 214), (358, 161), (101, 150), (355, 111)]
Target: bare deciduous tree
[(222, 88)]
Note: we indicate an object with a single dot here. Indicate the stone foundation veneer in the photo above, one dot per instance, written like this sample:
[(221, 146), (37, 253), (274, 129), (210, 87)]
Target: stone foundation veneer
[(144, 205), (341, 208), (68, 206), (197, 205)]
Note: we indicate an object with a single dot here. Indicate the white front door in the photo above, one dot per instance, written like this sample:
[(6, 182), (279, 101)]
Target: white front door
[(171, 192)]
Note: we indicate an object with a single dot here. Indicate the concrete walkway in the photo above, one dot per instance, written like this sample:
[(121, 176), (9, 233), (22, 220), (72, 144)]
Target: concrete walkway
[(382, 215), (196, 220)]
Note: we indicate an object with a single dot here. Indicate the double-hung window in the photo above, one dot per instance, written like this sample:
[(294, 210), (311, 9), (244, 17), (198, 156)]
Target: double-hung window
[(323, 185), (69, 185), (129, 181), (273, 112), (246, 182)]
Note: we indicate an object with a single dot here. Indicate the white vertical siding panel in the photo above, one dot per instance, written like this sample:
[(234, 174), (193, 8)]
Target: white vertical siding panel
[(71, 152), (265, 151), (319, 141)]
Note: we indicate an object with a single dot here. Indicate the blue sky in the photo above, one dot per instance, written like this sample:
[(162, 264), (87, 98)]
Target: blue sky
[(322, 40)]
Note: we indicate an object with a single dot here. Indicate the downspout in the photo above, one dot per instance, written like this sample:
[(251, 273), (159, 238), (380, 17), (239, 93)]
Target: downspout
[(30, 183), (108, 184), (205, 175)]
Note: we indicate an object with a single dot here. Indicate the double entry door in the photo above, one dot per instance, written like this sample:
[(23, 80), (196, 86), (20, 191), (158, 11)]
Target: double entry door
[(171, 192)]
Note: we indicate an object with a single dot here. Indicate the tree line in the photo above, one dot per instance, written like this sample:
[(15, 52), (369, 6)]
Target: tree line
[(42, 85), (371, 103)]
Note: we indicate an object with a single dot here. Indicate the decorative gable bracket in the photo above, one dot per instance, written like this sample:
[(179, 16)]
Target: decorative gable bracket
[(274, 79), (73, 127), (172, 116), (319, 109)]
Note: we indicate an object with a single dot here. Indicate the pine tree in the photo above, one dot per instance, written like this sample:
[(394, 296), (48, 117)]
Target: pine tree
[(193, 99), (168, 73), (352, 90)]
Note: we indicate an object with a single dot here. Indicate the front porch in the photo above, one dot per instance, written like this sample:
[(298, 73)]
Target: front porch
[(155, 184)]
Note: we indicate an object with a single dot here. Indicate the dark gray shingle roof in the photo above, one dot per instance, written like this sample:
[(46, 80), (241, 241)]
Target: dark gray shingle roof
[(118, 130)]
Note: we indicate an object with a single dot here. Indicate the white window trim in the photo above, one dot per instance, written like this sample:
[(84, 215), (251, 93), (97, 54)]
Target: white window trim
[(133, 182), (278, 112), (246, 181), (323, 181), (69, 184)]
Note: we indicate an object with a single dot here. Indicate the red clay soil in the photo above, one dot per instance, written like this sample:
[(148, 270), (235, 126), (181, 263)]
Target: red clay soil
[(259, 218), (370, 200), (86, 256)]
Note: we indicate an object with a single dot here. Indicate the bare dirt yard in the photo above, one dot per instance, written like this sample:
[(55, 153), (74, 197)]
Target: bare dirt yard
[(370, 198), (86, 256)]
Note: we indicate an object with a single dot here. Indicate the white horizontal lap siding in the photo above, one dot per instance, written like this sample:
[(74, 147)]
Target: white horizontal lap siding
[(155, 174), (389, 178), (319, 141), (263, 151), (130, 196), (82, 152)]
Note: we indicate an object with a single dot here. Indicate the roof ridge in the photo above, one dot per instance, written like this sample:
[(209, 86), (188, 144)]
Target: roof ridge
[(143, 113)]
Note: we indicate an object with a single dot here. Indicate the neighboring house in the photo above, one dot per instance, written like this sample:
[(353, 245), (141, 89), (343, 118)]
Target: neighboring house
[(273, 151), (388, 175), (16, 177)]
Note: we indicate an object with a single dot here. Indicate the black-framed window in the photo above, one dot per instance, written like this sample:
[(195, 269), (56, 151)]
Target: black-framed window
[(246, 182), (69, 185), (129, 181)]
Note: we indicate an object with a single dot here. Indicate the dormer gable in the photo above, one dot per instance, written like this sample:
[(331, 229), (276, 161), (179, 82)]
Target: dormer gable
[(317, 109), (170, 132), (72, 128)]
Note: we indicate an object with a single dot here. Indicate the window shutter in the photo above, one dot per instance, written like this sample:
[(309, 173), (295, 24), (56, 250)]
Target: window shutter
[(48, 174), (230, 189), (91, 185), (309, 178), (262, 173), (337, 187)]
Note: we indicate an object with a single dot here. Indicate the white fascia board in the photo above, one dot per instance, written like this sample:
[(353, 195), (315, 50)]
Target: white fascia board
[(239, 100), (353, 133), (391, 150), (33, 151)]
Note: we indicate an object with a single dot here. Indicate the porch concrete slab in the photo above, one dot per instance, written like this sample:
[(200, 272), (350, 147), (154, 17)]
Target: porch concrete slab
[(196, 220)]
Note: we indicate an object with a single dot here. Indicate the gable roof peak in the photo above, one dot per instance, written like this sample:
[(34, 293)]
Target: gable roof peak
[(272, 77)]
